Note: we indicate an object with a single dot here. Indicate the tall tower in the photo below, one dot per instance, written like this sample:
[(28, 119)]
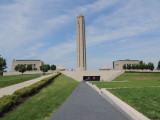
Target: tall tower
[(81, 43)]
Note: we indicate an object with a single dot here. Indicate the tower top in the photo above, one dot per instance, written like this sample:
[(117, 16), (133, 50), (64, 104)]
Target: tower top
[(80, 16)]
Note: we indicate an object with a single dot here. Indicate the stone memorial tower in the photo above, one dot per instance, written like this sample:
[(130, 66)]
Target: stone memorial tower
[(81, 44)]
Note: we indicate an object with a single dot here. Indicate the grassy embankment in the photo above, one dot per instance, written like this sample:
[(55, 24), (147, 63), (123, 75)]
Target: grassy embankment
[(14, 79), (43, 105), (140, 90)]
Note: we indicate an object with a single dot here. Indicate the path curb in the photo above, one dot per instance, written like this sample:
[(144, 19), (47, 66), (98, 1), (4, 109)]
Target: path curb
[(119, 104)]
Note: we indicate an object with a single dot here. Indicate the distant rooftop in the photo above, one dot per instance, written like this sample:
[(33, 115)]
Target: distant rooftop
[(80, 15), (128, 60), (27, 60)]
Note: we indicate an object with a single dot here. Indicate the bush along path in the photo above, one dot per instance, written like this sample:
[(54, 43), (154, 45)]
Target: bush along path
[(9, 102), (43, 105)]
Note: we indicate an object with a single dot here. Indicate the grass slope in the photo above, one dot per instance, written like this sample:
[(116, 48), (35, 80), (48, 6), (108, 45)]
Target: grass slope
[(14, 79), (142, 91), (130, 84), (139, 76), (145, 100), (43, 105)]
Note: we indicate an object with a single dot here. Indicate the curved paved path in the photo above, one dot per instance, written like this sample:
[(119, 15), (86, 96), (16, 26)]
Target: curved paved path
[(86, 104), (10, 89)]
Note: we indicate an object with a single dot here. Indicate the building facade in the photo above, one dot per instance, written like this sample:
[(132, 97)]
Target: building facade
[(118, 65), (35, 64)]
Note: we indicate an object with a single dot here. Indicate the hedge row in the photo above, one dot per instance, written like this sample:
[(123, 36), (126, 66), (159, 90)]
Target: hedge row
[(8, 102)]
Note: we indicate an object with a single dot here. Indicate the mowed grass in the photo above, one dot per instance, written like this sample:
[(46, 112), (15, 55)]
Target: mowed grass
[(128, 84), (140, 90), (145, 100), (43, 105), (138, 77), (14, 79)]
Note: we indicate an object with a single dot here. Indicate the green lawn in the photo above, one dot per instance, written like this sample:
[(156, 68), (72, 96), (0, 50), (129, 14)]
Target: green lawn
[(14, 79), (145, 100), (44, 104), (127, 84), (140, 90), (139, 76)]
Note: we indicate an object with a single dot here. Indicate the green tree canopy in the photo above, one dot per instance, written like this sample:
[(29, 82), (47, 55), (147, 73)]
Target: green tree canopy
[(16, 67), (146, 66), (29, 67), (21, 68), (53, 67), (137, 66), (133, 66), (44, 68), (3, 64), (158, 67), (49, 67), (151, 66), (129, 66), (141, 65)]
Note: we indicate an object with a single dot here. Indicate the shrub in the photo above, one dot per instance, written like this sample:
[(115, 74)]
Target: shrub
[(7, 102), (1, 73)]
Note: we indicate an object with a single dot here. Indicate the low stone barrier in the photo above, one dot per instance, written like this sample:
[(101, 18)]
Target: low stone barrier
[(119, 104)]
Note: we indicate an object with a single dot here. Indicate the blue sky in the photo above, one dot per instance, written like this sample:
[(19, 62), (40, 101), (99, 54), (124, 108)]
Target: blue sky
[(46, 30)]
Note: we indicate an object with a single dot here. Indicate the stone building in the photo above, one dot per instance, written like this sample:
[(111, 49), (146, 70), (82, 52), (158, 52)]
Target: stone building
[(35, 64), (118, 65)]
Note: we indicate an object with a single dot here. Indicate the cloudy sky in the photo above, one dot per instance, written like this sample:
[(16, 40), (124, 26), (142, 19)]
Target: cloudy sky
[(46, 30)]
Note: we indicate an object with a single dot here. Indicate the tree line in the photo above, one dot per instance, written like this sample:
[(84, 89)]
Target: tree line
[(44, 68), (141, 66)]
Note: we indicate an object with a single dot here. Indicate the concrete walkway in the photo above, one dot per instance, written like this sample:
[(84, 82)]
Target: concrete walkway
[(86, 104), (10, 89)]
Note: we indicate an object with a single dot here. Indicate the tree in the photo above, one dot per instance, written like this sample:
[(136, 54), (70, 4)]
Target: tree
[(141, 65), (53, 67), (49, 67), (133, 66), (124, 67), (146, 66), (158, 67), (16, 67), (151, 66), (3, 65), (129, 66), (44, 68), (137, 67), (29, 67), (21, 68)]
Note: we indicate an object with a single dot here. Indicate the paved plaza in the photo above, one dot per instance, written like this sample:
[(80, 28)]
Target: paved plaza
[(86, 104)]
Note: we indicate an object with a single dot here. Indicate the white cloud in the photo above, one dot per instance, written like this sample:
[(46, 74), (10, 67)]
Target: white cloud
[(25, 23)]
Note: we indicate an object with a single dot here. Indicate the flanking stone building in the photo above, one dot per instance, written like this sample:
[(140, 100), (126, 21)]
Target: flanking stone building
[(35, 64), (118, 65)]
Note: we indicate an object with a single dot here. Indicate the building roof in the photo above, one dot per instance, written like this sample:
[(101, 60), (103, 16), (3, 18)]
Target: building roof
[(27, 60), (128, 60), (80, 15)]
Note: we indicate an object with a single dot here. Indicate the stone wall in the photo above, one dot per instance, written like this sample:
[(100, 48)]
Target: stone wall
[(108, 75)]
